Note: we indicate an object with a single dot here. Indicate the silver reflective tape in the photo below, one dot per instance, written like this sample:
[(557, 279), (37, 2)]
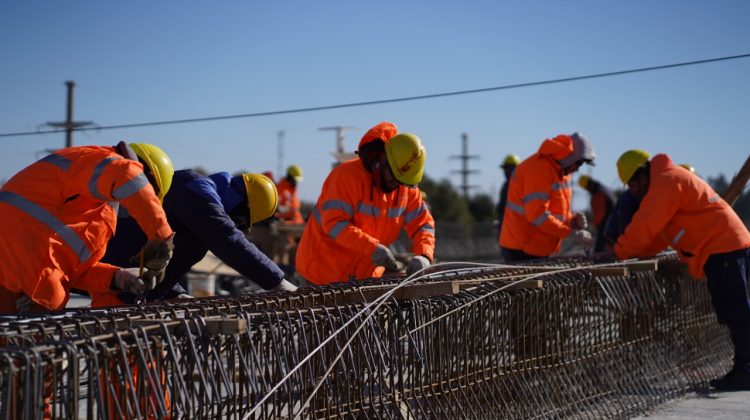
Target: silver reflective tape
[(337, 229), (566, 185), (369, 210), (535, 196), (57, 160), (414, 213), (95, 177), (338, 205), (316, 215), (427, 228), (678, 236), (395, 212), (131, 187), (541, 219), (714, 198), (516, 208), (40, 214)]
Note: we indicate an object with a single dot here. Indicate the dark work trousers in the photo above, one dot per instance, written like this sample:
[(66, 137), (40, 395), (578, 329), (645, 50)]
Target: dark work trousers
[(515, 255), (727, 276)]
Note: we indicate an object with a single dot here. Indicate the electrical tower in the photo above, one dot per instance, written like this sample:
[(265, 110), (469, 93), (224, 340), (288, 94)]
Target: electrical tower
[(340, 155), (465, 171), (69, 125)]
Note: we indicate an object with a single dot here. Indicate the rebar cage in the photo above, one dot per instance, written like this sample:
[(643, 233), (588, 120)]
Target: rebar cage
[(586, 343)]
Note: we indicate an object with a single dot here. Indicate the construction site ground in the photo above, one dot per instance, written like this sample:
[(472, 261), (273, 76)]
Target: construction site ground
[(725, 405)]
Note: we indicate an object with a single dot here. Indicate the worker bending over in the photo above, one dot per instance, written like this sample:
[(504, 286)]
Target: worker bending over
[(538, 215), (209, 213), (687, 214), (58, 214), (364, 205)]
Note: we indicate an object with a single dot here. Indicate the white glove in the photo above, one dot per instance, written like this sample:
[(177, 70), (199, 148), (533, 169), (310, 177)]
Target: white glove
[(285, 286), (383, 257), (580, 221), (184, 296), (23, 304), (582, 237), (126, 280), (417, 263)]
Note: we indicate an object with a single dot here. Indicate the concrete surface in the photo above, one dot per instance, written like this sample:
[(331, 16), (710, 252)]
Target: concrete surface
[(716, 405)]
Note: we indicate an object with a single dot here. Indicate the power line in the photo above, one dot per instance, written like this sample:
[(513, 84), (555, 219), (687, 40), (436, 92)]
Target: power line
[(393, 100)]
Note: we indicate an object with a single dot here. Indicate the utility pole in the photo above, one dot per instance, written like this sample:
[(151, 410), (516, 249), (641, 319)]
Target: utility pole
[(340, 155), (465, 171), (280, 154), (69, 125)]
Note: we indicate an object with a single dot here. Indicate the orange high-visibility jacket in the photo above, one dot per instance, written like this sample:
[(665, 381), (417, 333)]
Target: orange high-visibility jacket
[(351, 217), (537, 213), (289, 201), (687, 213), (58, 214)]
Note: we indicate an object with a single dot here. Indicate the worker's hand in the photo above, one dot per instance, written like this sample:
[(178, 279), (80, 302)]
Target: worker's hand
[(157, 253), (152, 277), (285, 286), (126, 280), (417, 263), (582, 237), (184, 296), (23, 304), (383, 257), (579, 221)]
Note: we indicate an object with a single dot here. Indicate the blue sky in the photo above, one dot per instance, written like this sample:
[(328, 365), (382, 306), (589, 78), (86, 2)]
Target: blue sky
[(142, 61)]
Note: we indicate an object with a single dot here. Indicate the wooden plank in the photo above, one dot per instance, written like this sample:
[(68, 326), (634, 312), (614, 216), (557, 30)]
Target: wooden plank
[(644, 265), (511, 284), (414, 291)]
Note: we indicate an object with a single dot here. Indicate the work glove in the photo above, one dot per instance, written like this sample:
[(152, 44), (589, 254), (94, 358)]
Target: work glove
[(23, 304), (184, 296), (383, 257), (579, 221), (157, 253), (126, 280), (582, 237), (417, 263), (285, 286)]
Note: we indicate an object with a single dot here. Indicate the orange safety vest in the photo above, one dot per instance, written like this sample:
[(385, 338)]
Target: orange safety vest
[(57, 216), (537, 213), (688, 215), (289, 200), (351, 217)]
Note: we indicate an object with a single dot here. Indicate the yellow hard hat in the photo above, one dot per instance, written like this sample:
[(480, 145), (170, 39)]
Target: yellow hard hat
[(295, 172), (262, 197), (511, 160), (688, 166), (583, 181), (629, 162), (406, 156), (158, 164)]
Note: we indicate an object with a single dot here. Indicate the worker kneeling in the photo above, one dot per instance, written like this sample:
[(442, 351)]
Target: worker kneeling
[(59, 213), (362, 208), (210, 213)]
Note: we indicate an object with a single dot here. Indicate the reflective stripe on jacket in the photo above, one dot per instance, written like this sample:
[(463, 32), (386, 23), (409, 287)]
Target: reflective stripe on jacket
[(58, 215), (351, 217), (537, 212), (687, 213), (289, 201)]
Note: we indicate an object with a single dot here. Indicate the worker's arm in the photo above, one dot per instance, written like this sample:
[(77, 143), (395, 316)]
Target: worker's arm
[(537, 192), (122, 180), (656, 210), (420, 226), (95, 279), (207, 220), (339, 200)]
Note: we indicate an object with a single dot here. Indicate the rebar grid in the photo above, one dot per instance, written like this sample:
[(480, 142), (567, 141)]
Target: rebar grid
[(583, 346)]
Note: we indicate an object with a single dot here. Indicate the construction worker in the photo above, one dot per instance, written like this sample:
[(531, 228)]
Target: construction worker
[(209, 213), (602, 202), (707, 234), (364, 204), (59, 212), (508, 166), (537, 215), (289, 205)]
